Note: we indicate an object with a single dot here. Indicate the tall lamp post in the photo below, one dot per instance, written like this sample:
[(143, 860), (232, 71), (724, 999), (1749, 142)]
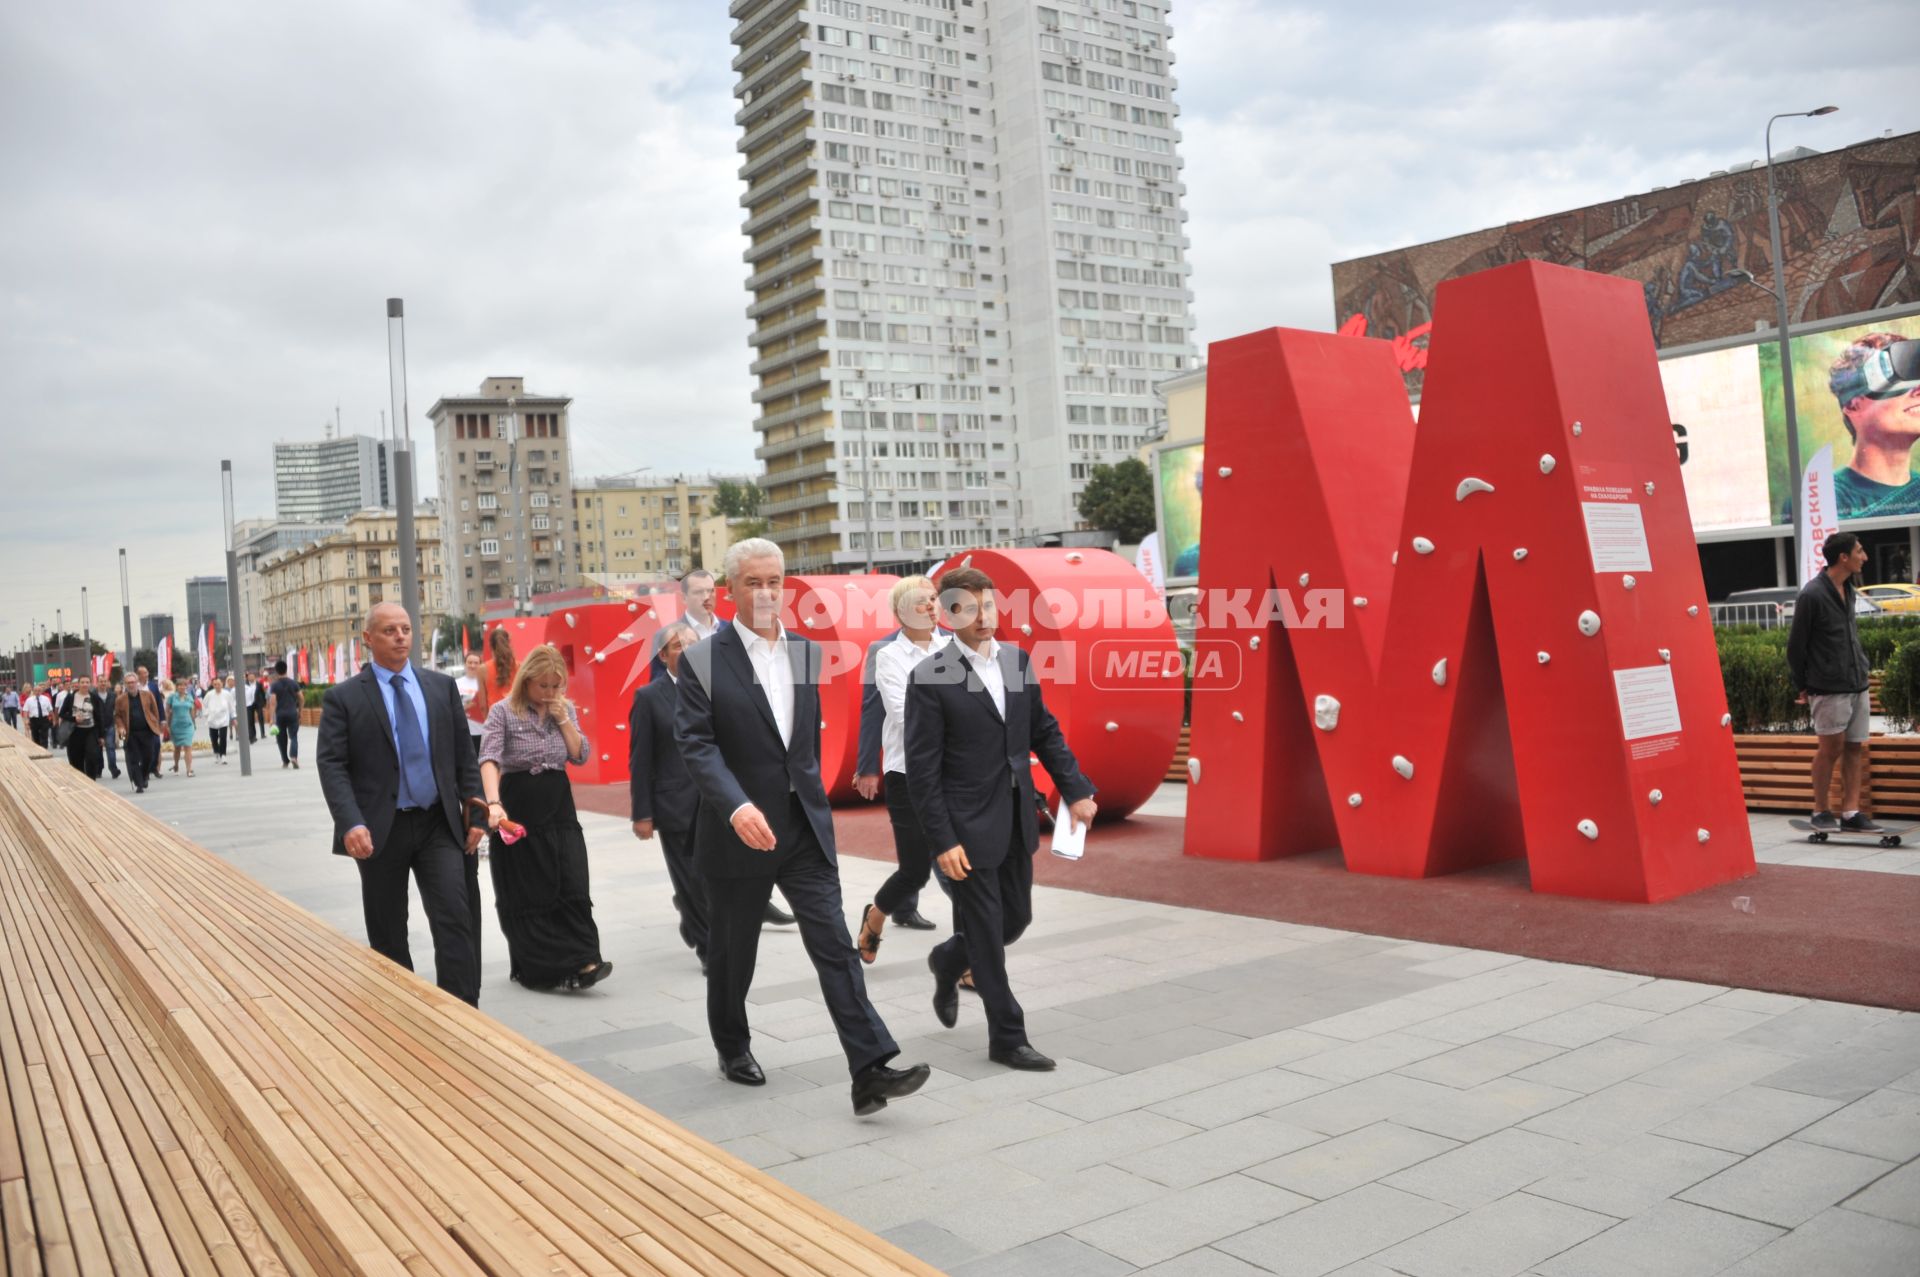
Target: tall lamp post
[(1794, 478), (235, 640), (402, 464), (126, 612)]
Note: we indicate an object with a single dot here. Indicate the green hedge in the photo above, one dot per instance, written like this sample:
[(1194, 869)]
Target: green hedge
[(1900, 686)]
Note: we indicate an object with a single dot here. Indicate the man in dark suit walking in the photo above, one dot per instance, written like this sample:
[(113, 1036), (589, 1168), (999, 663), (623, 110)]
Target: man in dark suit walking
[(664, 799), (397, 766), (749, 728), (974, 715)]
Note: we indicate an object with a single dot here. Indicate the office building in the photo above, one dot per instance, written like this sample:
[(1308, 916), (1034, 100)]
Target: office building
[(506, 493), (319, 593), (325, 480), (966, 263), (207, 601), (255, 541), (155, 626)]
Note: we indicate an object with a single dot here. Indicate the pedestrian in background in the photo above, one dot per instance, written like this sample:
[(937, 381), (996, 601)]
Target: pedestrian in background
[(84, 712), (217, 705), (181, 712), (138, 718), (284, 698)]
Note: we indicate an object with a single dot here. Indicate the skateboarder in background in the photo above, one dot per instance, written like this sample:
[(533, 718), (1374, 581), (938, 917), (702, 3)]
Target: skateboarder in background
[(1829, 667)]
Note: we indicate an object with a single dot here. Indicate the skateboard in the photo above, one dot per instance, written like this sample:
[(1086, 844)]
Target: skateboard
[(1885, 838)]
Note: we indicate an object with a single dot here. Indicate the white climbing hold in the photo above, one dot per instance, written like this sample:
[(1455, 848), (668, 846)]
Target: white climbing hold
[(633, 607), (1303, 580), (1360, 601), (1649, 487), (521, 625), (1694, 610), (1113, 727), (1726, 720), (1326, 712), (1576, 429), (1027, 630), (1394, 558), (1666, 656), (1628, 582), (1353, 800), (1440, 672), (1226, 472), (589, 649), (1547, 463), (1401, 765), (605, 757), (1469, 486), (1520, 554), (1076, 557), (1542, 657), (651, 614), (1654, 797), (1589, 623), (599, 656), (1254, 642), (619, 727), (807, 622), (1588, 829), (570, 621), (1193, 771), (1702, 834), (1238, 717), (1422, 546), (967, 562)]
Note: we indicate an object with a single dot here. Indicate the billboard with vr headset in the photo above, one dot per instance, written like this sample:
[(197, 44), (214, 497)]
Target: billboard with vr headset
[(1857, 390)]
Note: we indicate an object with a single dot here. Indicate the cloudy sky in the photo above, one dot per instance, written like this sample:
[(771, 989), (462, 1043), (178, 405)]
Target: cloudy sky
[(207, 203)]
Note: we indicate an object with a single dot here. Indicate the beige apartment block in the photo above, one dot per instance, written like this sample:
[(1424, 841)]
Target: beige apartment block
[(319, 594), (627, 529), (506, 493)]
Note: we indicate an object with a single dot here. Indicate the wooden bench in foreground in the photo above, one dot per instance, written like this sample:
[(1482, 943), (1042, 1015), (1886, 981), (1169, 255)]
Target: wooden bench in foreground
[(202, 1078)]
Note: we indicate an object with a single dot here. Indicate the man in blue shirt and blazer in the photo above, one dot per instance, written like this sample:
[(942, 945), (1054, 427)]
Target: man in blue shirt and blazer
[(974, 716), (397, 766)]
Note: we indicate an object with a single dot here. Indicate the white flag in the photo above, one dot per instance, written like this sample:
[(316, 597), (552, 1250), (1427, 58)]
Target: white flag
[(1147, 559), (1819, 516)]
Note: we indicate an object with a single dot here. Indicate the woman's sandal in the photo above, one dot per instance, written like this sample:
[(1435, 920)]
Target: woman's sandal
[(869, 941)]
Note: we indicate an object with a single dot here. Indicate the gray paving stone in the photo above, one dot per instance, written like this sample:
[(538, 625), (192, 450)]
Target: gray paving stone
[(841, 1171), (1716, 1069), (1126, 1091), (1749, 1119), (1664, 996), (1631, 1177), (1477, 1062), (1206, 1262), (1230, 1101), (936, 1246), (1815, 1029), (1345, 1162), (1332, 1234), (1003, 1221), (1787, 1183), (1487, 1170), (1598, 1065), (1848, 1074), (1697, 1025), (1221, 1151), (1506, 1237), (1144, 1052), (1581, 1025), (1376, 1055), (1895, 1196), (1173, 1224), (954, 1186), (1252, 1055), (1489, 1107), (972, 1134), (1054, 1256), (1838, 1241), (1351, 1107), (1611, 1115), (1110, 1139), (1673, 1239)]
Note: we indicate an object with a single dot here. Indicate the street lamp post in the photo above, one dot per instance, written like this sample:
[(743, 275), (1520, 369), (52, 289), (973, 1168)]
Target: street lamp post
[(1795, 480), (402, 463), (234, 643), (126, 610)]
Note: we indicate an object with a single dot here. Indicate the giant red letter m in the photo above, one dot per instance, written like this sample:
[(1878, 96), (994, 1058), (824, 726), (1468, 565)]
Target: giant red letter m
[(1522, 661)]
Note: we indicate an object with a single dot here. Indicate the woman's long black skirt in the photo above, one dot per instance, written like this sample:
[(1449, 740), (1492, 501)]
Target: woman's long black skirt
[(540, 882)]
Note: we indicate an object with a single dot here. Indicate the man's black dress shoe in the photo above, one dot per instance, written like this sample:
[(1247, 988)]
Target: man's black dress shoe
[(1022, 1057), (946, 996), (911, 920), (776, 916), (876, 1084), (744, 1069)]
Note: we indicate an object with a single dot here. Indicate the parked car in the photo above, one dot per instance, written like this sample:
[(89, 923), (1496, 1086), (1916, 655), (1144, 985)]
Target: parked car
[(1773, 607), (1894, 597)]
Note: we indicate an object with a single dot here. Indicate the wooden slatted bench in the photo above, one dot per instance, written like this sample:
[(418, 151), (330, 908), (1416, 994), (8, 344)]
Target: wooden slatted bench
[(202, 1078), (1773, 774)]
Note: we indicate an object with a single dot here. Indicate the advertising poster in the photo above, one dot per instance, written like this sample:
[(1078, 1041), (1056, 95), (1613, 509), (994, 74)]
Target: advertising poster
[(1856, 390), (1177, 481), (1714, 401)]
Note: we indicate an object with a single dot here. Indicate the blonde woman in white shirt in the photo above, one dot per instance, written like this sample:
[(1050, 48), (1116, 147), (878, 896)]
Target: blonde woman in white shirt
[(913, 604)]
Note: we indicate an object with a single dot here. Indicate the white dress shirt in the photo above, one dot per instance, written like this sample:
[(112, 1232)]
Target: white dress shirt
[(774, 673), (892, 668), (986, 663), (702, 629)]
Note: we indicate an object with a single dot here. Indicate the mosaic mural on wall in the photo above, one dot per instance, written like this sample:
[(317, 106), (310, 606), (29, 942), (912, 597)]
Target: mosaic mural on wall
[(1849, 227)]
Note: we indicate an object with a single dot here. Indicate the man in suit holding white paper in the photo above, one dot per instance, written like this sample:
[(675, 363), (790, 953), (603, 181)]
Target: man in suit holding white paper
[(974, 715)]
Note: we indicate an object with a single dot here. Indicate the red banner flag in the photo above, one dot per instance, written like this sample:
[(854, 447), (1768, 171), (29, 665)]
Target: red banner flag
[(302, 675)]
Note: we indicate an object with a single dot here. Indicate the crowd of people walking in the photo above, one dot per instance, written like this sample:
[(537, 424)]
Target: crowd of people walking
[(425, 774)]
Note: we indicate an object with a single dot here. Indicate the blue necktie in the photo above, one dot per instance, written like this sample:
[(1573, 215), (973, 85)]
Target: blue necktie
[(416, 769)]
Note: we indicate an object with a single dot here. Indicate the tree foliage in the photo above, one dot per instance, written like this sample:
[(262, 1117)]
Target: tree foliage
[(1119, 499), (737, 498)]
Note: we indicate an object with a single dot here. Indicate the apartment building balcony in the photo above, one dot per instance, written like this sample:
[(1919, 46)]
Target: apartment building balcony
[(777, 213), (791, 265), (777, 124), (773, 509), (794, 474), (779, 61), (793, 82), (787, 416), (787, 447), (769, 34), (784, 356), (802, 532), (812, 379), (805, 290), (795, 143)]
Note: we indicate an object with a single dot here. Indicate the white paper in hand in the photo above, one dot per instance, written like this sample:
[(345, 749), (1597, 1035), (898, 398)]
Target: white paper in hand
[(1068, 843)]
